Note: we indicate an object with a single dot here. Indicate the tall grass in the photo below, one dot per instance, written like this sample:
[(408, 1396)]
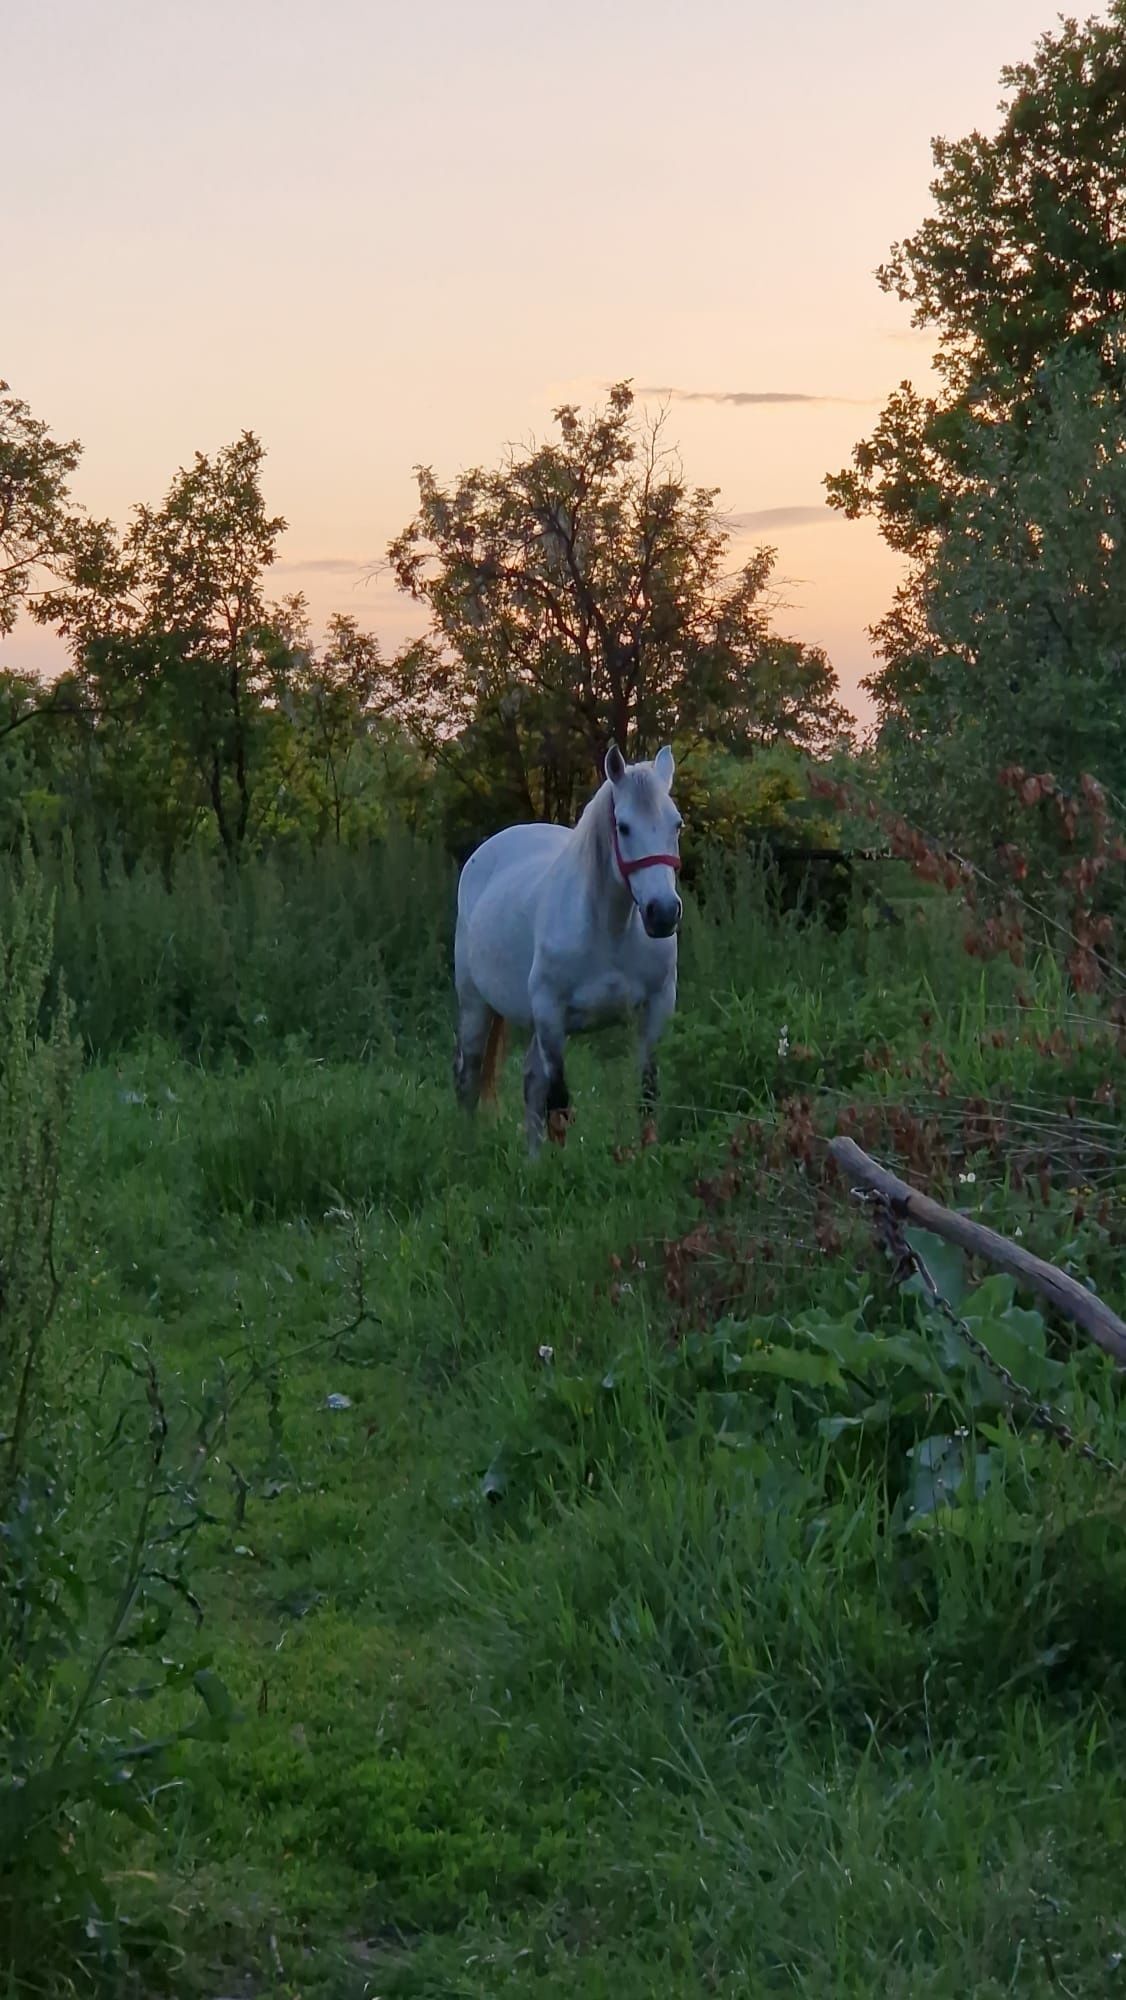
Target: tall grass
[(590, 1633), (342, 949), (346, 951)]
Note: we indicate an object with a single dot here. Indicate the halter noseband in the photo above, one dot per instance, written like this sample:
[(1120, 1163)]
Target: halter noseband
[(628, 868)]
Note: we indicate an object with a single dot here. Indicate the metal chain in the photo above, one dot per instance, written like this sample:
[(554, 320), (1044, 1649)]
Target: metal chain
[(907, 1262)]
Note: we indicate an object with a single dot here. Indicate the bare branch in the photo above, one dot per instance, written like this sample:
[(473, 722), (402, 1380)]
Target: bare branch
[(1062, 1292)]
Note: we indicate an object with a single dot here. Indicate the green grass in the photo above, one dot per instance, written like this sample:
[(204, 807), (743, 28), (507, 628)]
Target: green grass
[(573, 1655)]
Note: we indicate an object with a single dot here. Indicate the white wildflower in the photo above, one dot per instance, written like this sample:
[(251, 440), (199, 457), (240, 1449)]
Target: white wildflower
[(784, 1041)]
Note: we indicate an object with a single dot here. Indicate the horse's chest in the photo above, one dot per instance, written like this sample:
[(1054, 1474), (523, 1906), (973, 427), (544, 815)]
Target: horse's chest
[(607, 993)]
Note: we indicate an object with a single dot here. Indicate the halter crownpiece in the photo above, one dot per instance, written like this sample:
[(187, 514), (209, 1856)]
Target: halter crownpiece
[(628, 868)]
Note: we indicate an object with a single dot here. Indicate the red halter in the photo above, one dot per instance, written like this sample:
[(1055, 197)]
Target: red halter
[(628, 868)]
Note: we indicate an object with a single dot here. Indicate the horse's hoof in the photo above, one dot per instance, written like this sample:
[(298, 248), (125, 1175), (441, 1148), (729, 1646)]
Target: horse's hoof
[(649, 1133), (557, 1123)]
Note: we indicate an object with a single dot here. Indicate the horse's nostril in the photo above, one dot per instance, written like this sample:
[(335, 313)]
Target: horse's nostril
[(661, 917)]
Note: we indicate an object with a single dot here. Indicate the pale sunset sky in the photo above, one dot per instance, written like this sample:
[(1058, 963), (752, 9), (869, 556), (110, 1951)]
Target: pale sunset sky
[(385, 235)]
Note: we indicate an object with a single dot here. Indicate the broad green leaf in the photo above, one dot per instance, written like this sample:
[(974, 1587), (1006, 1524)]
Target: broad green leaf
[(835, 1427), (1033, 1370), (993, 1301), (944, 1261), (794, 1364), (990, 1299), (861, 1349), (943, 1468), (215, 1695)]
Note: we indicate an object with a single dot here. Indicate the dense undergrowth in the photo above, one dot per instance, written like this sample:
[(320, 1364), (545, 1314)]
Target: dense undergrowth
[(428, 1576)]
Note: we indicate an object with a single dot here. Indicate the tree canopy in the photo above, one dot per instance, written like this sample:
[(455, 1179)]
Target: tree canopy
[(1003, 658), (1024, 253), (582, 592), (1009, 646), (196, 707), (37, 512)]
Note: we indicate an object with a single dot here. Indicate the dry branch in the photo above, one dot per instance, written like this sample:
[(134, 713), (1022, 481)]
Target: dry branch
[(1066, 1294)]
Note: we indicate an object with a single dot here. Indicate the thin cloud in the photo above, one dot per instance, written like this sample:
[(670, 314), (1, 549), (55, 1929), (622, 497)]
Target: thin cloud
[(326, 566), (784, 517), (750, 398)]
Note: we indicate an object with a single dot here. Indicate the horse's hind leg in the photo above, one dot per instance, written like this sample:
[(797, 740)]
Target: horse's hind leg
[(474, 1022)]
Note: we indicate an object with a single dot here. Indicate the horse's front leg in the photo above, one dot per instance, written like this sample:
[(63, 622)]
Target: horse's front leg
[(654, 1018), (547, 1099)]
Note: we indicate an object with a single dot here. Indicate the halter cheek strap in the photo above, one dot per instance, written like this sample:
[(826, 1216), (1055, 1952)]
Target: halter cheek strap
[(628, 868)]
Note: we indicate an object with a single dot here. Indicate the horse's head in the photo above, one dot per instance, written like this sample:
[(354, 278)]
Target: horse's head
[(645, 836)]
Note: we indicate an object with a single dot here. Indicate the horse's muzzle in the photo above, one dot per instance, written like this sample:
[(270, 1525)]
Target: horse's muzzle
[(661, 916)]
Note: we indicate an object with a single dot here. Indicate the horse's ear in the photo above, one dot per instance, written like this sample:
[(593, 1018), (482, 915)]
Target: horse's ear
[(664, 764), (615, 765)]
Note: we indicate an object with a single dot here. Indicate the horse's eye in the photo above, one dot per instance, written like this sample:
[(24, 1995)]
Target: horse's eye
[(623, 829)]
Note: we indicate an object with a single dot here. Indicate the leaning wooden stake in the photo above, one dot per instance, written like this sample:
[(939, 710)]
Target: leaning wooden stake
[(1066, 1294)]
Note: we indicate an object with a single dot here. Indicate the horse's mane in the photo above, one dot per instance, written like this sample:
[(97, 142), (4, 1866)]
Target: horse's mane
[(590, 841)]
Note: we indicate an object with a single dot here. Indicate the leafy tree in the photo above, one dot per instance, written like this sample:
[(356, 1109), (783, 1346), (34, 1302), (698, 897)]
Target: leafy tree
[(170, 627), (37, 513), (1000, 685), (1025, 253), (730, 801), (345, 758), (1003, 727), (1011, 647), (579, 592), (343, 687), (45, 746), (41, 525)]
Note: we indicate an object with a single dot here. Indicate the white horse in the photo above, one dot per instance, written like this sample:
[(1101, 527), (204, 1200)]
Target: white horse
[(561, 929)]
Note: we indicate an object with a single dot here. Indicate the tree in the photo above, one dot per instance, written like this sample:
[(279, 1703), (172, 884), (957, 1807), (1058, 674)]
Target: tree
[(999, 689), (171, 629), (209, 713), (343, 766), (578, 593), (43, 740), (37, 513), (335, 697), (1024, 255), (1010, 648)]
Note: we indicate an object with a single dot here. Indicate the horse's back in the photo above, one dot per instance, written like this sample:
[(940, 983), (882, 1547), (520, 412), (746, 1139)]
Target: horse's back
[(529, 849)]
